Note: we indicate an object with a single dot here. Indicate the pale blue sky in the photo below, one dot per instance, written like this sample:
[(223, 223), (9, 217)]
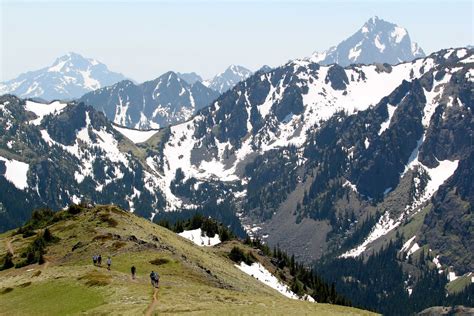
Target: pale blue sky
[(143, 39)]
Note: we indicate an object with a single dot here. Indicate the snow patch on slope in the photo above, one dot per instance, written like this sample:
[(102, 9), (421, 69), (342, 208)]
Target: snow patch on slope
[(199, 238), (438, 176), (398, 34), (82, 147), (89, 82), (16, 173), (391, 109), (42, 109), (432, 99), (413, 249), (410, 247), (263, 275), (407, 244), (350, 185), (383, 226), (355, 52), (136, 136), (379, 44), (452, 276), (366, 143)]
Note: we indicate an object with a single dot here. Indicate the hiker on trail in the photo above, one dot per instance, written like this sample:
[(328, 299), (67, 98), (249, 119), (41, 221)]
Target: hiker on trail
[(109, 262), (157, 279), (154, 278), (94, 259), (99, 260), (133, 269)]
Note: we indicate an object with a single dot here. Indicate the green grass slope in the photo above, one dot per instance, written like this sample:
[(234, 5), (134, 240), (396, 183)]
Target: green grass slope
[(194, 280)]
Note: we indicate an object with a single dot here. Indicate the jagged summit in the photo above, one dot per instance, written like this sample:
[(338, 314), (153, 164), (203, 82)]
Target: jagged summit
[(377, 41)]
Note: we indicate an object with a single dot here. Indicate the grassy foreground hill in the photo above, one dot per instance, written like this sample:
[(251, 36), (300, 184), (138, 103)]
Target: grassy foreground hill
[(194, 280)]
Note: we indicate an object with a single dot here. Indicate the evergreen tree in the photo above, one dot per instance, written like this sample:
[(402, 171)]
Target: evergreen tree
[(7, 261)]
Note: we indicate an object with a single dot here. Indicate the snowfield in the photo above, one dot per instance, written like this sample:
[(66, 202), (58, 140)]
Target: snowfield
[(391, 110), (16, 173), (383, 226), (42, 109), (196, 236), (136, 136), (263, 275), (409, 247)]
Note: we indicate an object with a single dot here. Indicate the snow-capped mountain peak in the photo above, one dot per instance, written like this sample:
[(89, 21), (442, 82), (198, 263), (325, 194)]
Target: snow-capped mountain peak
[(375, 25), (70, 76), (72, 61), (377, 41), (238, 70), (228, 79)]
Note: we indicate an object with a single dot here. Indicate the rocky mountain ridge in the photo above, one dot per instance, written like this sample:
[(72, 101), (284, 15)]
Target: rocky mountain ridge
[(153, 104)]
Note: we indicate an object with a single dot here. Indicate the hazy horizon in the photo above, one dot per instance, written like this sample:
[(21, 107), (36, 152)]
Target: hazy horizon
[(142, 40)]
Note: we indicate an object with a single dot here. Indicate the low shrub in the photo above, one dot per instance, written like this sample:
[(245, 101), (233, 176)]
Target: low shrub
[(159, 261), (95, 278), (102, 237), (7, 261), (74, 209), (118, 244), (25, 284), (6, 290), (238, 255), (105, 218)]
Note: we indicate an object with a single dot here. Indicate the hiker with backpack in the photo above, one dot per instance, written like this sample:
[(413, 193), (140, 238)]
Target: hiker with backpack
[(152, 278), (133, 270), (155, 279), (94, 259), (99, 260)]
